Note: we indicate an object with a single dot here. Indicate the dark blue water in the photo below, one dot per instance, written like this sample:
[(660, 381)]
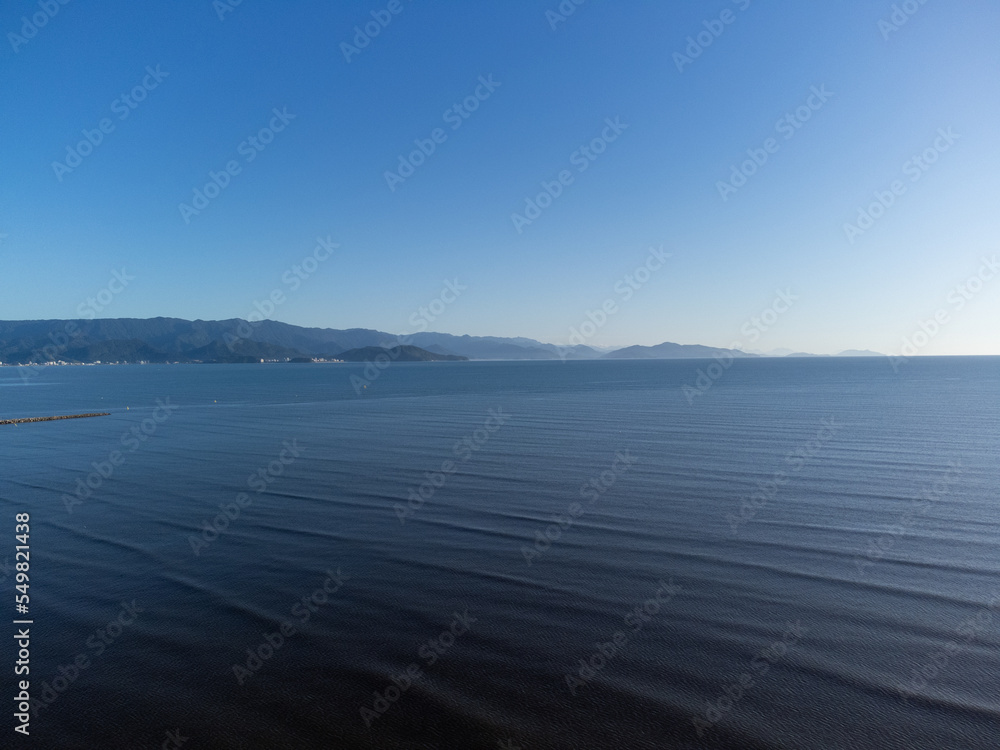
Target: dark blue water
[(805, 556)]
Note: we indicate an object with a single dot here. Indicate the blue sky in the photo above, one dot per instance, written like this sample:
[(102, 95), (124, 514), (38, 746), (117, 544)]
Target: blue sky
[(657, 184)]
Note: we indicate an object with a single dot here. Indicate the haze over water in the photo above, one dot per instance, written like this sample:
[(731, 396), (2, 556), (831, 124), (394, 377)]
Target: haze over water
[(799, 621)]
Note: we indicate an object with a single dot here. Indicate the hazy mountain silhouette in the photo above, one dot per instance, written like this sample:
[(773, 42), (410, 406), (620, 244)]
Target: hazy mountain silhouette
[(236, 340), (668, 350)]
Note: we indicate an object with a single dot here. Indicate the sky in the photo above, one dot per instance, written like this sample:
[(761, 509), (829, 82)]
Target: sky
[(781, 175)]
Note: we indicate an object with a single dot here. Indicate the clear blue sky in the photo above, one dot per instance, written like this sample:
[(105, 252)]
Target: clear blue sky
[(656, 184)]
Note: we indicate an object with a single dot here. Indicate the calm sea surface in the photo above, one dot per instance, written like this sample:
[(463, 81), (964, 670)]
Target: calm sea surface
[(514, 555)]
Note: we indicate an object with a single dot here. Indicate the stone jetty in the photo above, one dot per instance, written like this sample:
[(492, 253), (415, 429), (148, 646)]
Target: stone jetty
[(52, 419)]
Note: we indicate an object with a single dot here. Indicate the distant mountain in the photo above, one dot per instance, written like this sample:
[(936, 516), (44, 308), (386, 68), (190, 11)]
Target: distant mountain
[(668, 350), (859, 353), (236, 340), (398, 354), (176, 340), (492, 347), (846, 353)]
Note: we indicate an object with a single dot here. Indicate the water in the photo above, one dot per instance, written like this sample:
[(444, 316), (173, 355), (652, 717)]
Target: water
[(803, 621)]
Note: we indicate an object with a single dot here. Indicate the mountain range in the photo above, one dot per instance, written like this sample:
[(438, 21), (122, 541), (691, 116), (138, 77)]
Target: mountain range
[(158, 340), (404, 353)]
